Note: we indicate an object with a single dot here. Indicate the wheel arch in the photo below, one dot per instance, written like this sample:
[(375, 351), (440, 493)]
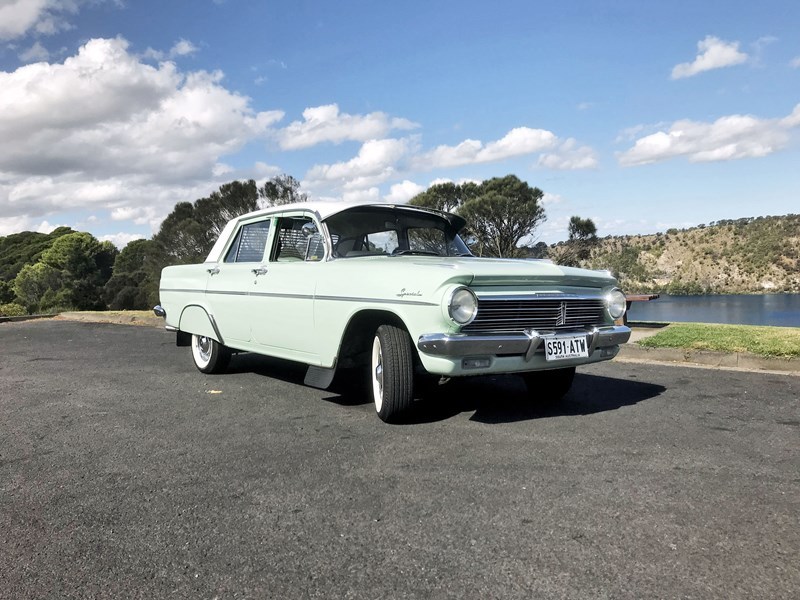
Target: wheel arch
[(196, 319), (356, 344)]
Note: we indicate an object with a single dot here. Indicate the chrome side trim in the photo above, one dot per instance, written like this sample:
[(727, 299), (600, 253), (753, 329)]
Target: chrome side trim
[(527, 343), (216, 329), (375, 300), (308, 297), (224, 293), (198, 290)]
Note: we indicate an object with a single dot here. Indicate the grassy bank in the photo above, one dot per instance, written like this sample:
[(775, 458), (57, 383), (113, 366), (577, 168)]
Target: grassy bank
[(763, 341)]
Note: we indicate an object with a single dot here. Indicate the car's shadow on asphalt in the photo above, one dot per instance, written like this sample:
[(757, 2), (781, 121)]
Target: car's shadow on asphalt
[(491, 399), (505, 399)]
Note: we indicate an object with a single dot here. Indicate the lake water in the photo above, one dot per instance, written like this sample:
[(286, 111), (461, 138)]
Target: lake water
[(758, 309)]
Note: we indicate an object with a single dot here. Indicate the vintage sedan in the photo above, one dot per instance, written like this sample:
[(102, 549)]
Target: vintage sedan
[(392, 290)]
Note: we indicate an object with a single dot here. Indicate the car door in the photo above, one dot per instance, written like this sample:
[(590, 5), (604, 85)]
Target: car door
[(282, 299), (229, 281)]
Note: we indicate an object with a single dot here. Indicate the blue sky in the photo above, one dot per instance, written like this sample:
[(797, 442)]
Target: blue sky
[(642, 115)]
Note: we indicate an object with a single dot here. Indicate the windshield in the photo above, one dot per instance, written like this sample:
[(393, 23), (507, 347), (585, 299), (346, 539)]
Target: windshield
[(375, 230)]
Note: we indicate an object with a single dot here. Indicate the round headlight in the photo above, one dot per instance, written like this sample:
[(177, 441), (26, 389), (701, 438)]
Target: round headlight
[(463, 306), (616, 304)]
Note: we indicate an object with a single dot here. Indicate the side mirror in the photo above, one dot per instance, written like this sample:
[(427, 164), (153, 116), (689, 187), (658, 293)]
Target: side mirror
[(308, 229)]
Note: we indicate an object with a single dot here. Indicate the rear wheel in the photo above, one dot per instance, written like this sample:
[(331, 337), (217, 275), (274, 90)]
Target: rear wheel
[(392, 372), (549, 387), (209, 355)]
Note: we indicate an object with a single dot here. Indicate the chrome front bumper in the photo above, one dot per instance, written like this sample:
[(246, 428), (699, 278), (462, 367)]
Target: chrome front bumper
[(527, 343)]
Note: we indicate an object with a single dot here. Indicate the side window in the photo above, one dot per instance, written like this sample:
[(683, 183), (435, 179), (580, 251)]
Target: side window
[(294, 243), (250, 242)]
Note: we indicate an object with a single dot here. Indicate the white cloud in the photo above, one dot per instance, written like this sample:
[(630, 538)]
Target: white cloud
[(326, 124), (120, 240), (45, 17), (517, 142), (45, 227), (374, 164), (569, 157), (139, 215), (792, 120), (795, 63), (103, 128), (400, 193), (183, 48), (549, 199), (35, 53), (372, 194), (180, 48), (727, 138), (713, 53)]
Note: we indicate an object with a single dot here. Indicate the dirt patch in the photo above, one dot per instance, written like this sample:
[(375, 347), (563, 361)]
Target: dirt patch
[(123, 317)]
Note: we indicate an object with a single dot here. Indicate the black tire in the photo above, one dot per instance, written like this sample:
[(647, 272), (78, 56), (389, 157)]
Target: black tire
[(209, 355), (391, 372), (549, 387)]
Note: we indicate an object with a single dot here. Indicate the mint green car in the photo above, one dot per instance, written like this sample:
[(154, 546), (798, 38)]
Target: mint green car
[(393, 290)]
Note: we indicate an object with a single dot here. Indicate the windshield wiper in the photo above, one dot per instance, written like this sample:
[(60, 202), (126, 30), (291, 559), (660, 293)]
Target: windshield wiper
[(419, 252)]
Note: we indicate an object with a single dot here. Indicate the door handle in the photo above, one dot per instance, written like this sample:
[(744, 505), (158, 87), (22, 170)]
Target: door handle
[(213, 271), (260, 271)]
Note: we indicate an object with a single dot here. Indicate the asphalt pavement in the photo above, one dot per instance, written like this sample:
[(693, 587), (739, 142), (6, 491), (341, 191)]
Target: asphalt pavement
[(126, 473)]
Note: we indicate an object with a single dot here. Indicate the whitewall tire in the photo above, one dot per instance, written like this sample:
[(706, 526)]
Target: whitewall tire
[(391, 372), (209, 355)]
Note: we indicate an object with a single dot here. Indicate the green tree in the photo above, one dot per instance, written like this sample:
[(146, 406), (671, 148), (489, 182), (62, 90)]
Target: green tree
[(578, 248), (133, 285), (447, 196), (582, 230), (281, 189), (33, 282), (25, 248), (499, 212), (181, 238), (84, 265), (6, 292), (231, 200), (505, 211)]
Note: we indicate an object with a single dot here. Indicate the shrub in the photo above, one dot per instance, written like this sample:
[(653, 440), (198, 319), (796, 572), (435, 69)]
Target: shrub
[(12, 309)]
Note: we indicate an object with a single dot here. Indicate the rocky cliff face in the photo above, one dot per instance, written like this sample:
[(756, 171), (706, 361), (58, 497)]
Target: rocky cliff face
[(754, 255)]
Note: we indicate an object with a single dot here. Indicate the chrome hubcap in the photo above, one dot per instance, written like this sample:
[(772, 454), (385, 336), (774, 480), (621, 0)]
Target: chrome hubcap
[(377, 374), (204, 348)]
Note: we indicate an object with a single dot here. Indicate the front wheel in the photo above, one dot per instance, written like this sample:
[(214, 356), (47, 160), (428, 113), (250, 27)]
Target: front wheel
[(392, 372), (209, 355), (549, 387)]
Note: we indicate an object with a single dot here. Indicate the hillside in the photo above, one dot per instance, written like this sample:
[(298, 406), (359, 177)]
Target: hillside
[(752, 255)]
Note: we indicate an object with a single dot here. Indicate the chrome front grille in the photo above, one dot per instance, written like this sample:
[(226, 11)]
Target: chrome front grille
[(508, 314)]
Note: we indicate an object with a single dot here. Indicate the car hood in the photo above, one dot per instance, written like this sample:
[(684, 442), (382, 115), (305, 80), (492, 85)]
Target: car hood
[(479, 272)]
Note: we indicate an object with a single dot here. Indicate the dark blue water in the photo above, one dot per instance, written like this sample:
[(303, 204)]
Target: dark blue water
[(782, 310)]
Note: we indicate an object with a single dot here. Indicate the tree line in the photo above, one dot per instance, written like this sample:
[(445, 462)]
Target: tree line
[(72, 270)]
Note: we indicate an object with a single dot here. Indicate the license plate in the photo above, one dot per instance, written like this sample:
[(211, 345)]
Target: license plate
[(566, 347)]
